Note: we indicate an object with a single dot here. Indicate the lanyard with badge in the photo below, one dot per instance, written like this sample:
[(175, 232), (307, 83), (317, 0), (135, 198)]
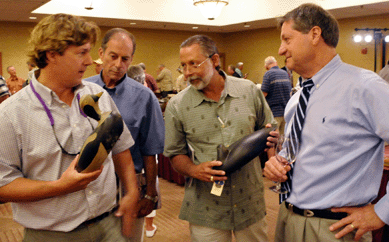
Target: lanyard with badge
[(50, 116)]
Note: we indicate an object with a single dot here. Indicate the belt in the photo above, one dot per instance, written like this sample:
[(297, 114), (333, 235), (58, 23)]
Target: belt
[(97, 219), (319, 213)]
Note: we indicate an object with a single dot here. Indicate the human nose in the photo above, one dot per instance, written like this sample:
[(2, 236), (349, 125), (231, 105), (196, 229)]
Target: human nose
[(88, 60), (281, 50)]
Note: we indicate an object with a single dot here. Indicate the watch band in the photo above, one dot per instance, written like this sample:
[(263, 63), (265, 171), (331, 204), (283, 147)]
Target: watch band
[(153, 199)]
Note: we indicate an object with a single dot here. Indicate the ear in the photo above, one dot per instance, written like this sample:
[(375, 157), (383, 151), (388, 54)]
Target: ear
[(51, 56), (101, 53), (316, 34), (215, 60)]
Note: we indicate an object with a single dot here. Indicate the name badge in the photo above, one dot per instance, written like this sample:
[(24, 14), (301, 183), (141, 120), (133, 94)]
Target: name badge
[(217, 188)]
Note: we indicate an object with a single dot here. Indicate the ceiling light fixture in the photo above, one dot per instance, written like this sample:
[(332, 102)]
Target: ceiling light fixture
[(90, 7), (210, 9), (246, 25)]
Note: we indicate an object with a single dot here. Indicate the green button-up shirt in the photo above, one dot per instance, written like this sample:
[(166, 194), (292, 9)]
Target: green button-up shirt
[(191, 118)]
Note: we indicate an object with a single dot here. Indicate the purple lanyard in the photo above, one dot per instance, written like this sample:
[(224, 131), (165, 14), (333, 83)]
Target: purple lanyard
[(48, 112)]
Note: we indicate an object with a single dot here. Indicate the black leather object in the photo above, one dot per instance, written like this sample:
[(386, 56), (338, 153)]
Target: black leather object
[(242, 151)]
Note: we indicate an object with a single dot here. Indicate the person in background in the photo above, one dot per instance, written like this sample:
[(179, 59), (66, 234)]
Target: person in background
[(14, 82), (231, 71), (384, 72), (164, 80), (339, 166), (149, 79), (141, 113), (181, 82), (45, 130), (290, 72), (216, 109), (136, 72), (276, 88), (239, 68), (98, 65), (4, 92)]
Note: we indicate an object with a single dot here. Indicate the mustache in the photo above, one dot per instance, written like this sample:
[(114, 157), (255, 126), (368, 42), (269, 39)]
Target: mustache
[(192, 78)]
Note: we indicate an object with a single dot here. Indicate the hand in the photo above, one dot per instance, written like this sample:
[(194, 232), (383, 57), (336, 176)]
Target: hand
[(275, 170), (272, 138), (128, 211), (73, 181), (363, 219), (145, 207), (204, 172)]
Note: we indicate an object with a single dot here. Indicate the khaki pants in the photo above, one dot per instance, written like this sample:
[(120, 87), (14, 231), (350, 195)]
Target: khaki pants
[(292, 227), (281, 124), (106, 230), (254, 233)]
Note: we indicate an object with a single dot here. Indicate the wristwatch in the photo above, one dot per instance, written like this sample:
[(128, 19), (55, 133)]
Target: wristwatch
[(153, 199)]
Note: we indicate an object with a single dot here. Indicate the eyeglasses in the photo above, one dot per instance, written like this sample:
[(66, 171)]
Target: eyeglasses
[(192, 65)]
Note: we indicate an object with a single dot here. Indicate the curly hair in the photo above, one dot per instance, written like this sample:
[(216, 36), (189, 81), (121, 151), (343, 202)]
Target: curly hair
[(57, 32)]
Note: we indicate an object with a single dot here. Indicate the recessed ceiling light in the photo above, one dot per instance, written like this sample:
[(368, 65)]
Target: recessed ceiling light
[(132, 23), (246, 25), (32, 17), (195, 27)]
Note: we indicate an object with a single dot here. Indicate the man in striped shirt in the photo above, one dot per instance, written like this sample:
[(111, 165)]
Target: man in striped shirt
[(276, 88)]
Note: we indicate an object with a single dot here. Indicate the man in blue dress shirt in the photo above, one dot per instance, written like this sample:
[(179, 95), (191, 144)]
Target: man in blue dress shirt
[(140, 110), (338, 170)]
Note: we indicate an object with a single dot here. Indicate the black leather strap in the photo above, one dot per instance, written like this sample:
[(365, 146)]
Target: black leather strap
[(319, 213)]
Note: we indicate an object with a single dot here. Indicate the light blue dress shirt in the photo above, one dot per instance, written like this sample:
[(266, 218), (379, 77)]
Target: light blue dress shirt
[(341, 156), (142, 114)]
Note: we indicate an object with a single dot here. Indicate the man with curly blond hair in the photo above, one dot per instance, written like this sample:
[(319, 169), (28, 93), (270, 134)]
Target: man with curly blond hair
[(45, 129)]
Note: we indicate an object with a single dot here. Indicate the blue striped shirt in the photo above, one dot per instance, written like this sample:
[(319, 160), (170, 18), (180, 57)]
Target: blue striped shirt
[(276, 84)]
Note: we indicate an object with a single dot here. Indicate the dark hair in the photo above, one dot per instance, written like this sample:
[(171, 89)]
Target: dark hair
[(309, 15), (208, 46), (114, 31), (57, 32)]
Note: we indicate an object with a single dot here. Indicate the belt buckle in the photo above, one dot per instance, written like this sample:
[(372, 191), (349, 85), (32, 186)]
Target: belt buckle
[(290, 207), (308, 213)]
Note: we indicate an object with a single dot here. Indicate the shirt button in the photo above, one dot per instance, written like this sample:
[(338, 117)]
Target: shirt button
[(90, 192)]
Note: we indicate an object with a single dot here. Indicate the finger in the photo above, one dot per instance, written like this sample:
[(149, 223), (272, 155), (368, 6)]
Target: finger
[(359, 234), (268, 125), (343, 210), (341, 223), (74, 161), (344, 231)]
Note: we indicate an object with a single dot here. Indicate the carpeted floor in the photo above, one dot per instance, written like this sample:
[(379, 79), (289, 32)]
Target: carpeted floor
[(170, 228)]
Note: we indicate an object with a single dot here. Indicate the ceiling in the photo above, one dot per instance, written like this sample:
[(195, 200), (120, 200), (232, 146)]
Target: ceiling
[(181, 14)]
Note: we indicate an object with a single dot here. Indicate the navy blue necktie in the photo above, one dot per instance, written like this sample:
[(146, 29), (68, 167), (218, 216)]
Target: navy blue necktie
[(295, 132)]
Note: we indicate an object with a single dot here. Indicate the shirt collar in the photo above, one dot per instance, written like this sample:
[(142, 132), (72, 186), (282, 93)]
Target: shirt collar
[(47, 94), (320, 77), (229, 90), (118, 86)]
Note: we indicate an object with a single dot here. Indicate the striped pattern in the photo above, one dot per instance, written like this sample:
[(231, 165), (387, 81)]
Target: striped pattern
[(295, 133)]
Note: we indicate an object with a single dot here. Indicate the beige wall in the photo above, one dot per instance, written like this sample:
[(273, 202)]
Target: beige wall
[(156, 47)]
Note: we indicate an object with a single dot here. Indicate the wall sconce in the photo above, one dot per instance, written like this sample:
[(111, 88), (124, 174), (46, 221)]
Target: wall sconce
[(377, 36)]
